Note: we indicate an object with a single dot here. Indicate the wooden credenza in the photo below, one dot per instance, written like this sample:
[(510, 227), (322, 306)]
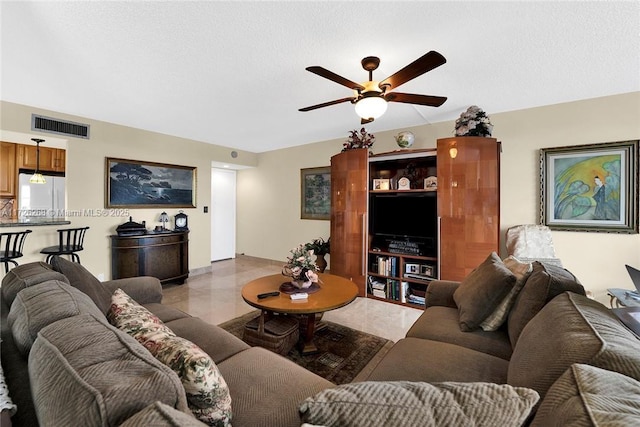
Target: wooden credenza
[(161, 255)]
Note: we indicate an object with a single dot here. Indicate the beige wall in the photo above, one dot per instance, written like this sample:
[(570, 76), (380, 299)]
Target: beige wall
[(85, 183), (269, 221), (268, 217)]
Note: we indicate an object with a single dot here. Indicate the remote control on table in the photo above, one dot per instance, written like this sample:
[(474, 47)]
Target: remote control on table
[(268, 294)]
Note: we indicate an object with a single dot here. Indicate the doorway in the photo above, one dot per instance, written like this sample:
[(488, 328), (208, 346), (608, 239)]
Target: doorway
[(223, 214)]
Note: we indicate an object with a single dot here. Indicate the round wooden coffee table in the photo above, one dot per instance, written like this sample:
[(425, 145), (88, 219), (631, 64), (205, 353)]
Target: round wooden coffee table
[(335, 292)]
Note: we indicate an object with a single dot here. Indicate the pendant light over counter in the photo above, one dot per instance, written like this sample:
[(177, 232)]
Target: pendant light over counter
[(37, 177)]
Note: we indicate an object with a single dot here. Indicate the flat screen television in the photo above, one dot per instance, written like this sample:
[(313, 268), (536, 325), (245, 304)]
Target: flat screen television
[(410, 217)]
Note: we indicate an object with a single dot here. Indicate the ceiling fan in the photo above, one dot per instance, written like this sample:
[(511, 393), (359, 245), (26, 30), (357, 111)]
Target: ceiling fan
[(371, 97)]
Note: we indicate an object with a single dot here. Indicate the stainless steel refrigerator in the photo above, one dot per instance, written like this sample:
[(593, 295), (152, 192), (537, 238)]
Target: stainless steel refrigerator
[(41, 200)]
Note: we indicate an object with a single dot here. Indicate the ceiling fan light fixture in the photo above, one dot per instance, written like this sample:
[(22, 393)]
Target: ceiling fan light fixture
[(371, 107)]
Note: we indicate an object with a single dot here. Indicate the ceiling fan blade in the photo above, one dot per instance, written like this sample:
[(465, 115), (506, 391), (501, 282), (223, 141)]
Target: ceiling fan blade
[(426, 62), (326, 104), (365, 121), (412, 98), (323, 72)]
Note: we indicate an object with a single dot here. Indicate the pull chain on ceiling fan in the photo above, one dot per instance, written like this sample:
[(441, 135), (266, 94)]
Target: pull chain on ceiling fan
[(371, 97)]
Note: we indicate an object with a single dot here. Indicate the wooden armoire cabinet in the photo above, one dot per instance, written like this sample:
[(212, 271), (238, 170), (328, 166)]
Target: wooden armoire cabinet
[(349, 186), (468, 203)]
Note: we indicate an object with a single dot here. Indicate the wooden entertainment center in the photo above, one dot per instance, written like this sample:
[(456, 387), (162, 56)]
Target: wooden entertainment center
[(404, 218)]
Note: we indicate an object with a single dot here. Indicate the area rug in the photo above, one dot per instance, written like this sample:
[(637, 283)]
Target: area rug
[(344, 353)]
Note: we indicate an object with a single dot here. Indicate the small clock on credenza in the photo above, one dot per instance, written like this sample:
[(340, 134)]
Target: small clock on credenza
[(181, 222)]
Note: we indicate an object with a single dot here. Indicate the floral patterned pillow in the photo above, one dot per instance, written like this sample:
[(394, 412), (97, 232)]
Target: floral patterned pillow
[(207, 392)]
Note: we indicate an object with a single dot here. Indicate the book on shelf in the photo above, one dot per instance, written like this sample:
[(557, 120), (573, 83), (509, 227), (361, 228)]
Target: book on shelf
[(379, 293), (377, 288), (414, 299), (387, 266), (405, 292)]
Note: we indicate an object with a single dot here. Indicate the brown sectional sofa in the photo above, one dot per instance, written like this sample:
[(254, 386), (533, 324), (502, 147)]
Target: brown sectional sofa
[(555, 341), (83, 371), (557, 344)]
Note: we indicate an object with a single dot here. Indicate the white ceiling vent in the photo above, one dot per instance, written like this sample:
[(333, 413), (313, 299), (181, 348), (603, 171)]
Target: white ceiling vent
[(59, 127)]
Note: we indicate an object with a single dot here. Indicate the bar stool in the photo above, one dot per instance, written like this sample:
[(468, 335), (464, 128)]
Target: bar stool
[(11, 245), (70, 241)]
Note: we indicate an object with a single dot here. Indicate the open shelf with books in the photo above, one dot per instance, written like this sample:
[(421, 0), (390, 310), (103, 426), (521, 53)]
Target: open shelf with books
[(403, 226), (400, 278)]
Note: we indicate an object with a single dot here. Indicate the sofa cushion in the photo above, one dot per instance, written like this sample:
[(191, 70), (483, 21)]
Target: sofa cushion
[(267, 389), (160, 415), (80, 278), (164, 312), (38, 306), (84, 371), (588, 396), (543, 284), (207, 392), (26, 275), (215, 341), (441, 324), (481, 291), (521, 270), (417, 359), (403, 403), (572, 329)]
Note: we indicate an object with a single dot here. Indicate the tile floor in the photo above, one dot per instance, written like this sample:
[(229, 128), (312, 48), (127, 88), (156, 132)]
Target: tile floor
[(215, 297)]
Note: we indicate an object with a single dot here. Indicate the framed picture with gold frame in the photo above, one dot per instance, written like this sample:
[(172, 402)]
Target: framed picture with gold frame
[(590, 187), (140, 184)]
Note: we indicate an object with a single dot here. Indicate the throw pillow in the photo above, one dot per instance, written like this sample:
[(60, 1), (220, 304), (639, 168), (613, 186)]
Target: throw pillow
[(80, 278), (521, 270), (589, 396), (404, 403), (543, 284), (481, 291), (207, 392)]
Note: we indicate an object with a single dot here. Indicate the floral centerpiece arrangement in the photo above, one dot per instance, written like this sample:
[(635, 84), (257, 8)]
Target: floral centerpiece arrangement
[(300, 267), (362, 139), (473, 122)]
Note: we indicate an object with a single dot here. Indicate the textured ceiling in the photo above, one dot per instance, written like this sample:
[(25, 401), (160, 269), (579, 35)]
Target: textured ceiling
[(233, 73)]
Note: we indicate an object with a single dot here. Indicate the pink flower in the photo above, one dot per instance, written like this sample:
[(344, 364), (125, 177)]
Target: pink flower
[(312, 276)]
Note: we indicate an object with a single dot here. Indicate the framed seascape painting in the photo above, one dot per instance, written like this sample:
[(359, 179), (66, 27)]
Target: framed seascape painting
[(590, 187), (138, 184), (315, 193)]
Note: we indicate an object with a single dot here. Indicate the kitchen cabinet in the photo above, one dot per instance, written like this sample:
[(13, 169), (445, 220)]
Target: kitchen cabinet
[(8, 171), (51, 159)]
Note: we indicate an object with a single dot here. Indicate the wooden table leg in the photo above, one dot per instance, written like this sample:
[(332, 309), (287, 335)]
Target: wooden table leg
[(307, 346)]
